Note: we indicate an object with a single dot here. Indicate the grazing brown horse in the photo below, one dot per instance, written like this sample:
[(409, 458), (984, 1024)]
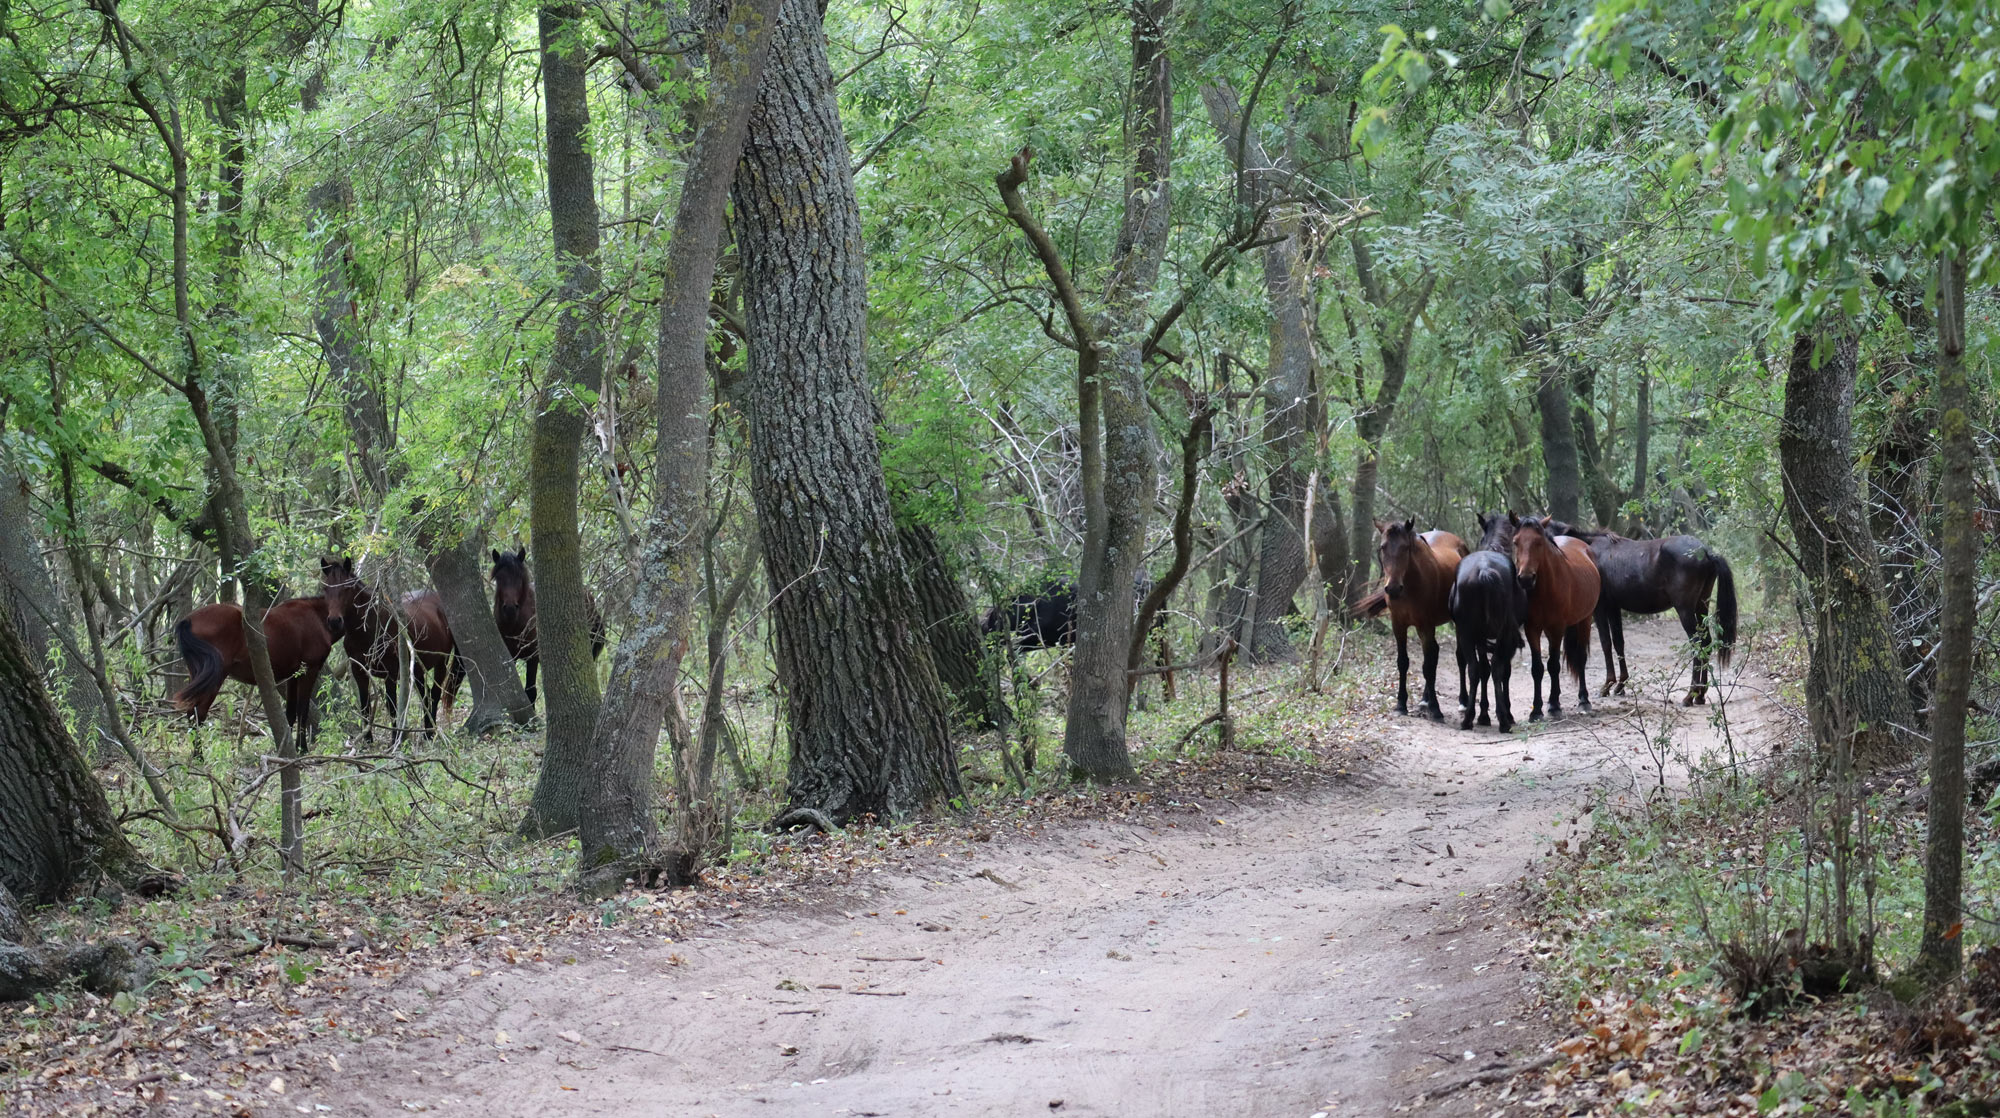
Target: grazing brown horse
[(1562, 586), (373, 632), (299, 634), (1417, 572), (514, 612), (1649, 576)]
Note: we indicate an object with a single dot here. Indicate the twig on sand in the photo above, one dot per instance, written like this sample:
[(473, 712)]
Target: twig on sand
[(1491, 1075)]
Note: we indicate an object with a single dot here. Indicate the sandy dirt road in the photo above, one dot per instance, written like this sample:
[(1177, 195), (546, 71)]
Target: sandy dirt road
[(1336, 951)]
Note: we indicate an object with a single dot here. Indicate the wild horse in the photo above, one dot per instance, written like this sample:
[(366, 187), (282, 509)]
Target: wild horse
[(1417, 571), (1488, 604), (374, 634), (514, 612), (1651, 576), (1562, 583), (299, 634)]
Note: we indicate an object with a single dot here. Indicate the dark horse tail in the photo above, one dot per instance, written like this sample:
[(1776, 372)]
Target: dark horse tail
[(1725, 606), (1576, 650), (1374, 605), (204, 663)]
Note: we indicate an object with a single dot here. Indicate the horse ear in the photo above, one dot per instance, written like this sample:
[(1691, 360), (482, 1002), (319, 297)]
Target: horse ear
[(1410, 524), (1380, 527), (326, 565), (1512, 519), (496, 556), (347, 564), (522, 554)]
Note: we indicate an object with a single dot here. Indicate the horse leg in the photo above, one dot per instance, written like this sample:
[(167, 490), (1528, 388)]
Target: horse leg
[(533, 663), (1578, 658), (1465, 699), (1501, 669), (1604, 623), (1555, 665), (1402, 669), (1692, 623), (1535, 670), (1431, 710), (392, 689), (1166, 677), (364, 698), (1618, 637)]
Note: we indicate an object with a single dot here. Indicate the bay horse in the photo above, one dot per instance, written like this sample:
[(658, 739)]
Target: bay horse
[(514, 612), (1417, 571), (299, 634), (1652, 576), (1562, 584), (373, 632), (1488, 604)]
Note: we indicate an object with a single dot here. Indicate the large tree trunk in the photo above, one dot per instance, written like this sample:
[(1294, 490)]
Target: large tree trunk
[(59, 832), (1944, 910), (1118, 484), (617, 828), (562, 419), (867, 717), (30, 596), (1853, 670)]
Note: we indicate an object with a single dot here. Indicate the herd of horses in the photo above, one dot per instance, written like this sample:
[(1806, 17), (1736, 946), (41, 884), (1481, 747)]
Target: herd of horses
[(300, 633), (1535, 580), (1532, 580)]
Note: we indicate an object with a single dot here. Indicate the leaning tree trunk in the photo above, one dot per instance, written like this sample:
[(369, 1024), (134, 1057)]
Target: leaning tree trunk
[(946, 616), (1118, 486), (30, 596), (1944, 909), (617, 828), (866, 714), (458, 572), (59, 832), (1853, 666), (576, 371)]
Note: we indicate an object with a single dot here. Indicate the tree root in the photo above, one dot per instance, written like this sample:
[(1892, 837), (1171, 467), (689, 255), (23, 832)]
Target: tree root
[(800, 815), (108, 967), (1491, 1075)]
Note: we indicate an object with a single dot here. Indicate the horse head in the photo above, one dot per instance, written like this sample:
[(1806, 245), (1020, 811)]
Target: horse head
[(1534, 549), (512, 592), (1400, 544), (1496, 532), (344, 593)]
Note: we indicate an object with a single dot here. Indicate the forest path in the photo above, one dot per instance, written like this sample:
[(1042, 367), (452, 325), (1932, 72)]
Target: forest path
[(1337, 950)]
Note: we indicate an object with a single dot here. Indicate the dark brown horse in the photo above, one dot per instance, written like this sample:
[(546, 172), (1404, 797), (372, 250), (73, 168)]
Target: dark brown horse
[(299, 634), (514, 612), (1651, 576), (373, 634), (1417, 572), (1562, 584)]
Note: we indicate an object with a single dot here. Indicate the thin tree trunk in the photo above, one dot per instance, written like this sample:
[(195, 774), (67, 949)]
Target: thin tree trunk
[(866, 714), (1552, 404), (1944, 843), (1394, 322), (1597, 483), (617, 827), (562, 419), (337, 321), (1118, 480), (59, 830), (1853, 664), (1642, 448)]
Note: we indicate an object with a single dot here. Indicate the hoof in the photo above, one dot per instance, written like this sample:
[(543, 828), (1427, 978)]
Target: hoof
[(1402, 708), (1606, 690), (1485, 719), (1621, 687), (1434, 714), (1688, 700), (1534, 716), (1465, 723), (1583, 705), (1507, 726)]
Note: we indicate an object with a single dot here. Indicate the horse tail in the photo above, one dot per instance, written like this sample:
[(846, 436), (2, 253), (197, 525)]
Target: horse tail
[(204, 663), (1576, 649), (1725, 606), (1372, 606)]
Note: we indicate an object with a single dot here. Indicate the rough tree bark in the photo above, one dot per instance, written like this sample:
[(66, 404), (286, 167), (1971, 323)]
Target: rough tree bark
[(1898, 499), (1642, 448), (1944, 911), (866, 714), (31, 596), (946, 616), (59, 831), (337, 321), (1293, 410), (458, 571), (616, 827), (1854, 685), (562, 419)]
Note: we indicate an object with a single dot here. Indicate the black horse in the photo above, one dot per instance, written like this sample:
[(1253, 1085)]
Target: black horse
[(1488, 605), (1046, 617), (1651, 576)]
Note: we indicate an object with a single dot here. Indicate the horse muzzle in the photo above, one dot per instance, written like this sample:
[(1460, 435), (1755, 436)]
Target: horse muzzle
[(337, 626), (1394, 591)]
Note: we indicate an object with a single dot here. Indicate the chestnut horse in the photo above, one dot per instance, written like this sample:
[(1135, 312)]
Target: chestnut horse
[(373, 634), (299, 634), (1417, 571), (514, 612), (1562, 585)]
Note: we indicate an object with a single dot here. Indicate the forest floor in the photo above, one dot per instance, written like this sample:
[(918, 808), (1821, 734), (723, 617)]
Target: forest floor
[(1319, 944)]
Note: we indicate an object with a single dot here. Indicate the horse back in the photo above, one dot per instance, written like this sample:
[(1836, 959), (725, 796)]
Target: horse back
[(296, 634), (429, 631)]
